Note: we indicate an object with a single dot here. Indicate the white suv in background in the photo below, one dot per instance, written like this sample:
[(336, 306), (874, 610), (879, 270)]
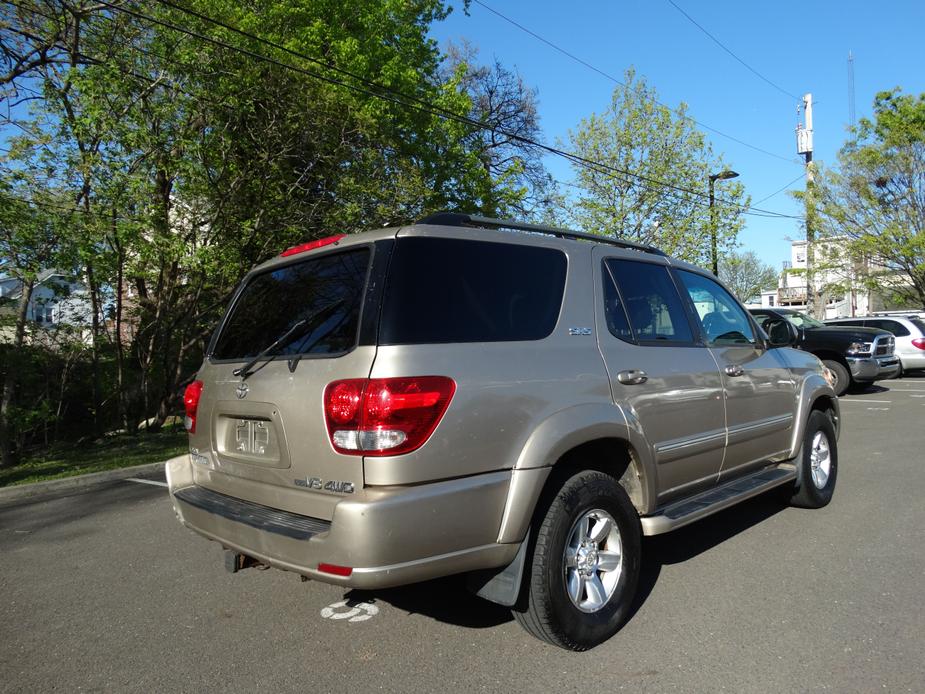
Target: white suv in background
[(907, 328)]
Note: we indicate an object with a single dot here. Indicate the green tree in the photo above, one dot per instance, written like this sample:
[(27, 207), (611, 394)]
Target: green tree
[(875, 198), (182, 162), (746, 275), (660, 197), (519, 183), (31, 239)]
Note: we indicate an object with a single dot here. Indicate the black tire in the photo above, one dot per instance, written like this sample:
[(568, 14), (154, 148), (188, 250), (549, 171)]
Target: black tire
[(814, 492), (546, 609), (842, 375)]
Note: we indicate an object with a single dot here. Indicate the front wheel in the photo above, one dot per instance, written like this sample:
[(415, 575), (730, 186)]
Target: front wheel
[(841, 373), (585, 564), (817, 466)]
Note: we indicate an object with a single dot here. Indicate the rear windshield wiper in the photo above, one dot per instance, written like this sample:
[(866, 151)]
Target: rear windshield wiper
[(286, 337)]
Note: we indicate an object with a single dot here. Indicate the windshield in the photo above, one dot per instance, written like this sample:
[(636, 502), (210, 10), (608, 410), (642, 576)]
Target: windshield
[(277, 301), (801, 320)]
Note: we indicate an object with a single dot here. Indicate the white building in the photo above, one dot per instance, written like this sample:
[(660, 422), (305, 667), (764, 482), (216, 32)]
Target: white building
[(56, 300), (838, 282)]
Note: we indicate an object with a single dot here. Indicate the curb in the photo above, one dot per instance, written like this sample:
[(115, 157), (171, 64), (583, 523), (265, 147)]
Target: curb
[(38, 491)]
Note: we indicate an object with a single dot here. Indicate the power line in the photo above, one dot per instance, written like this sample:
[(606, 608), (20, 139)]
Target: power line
[(392, 96), (780, 190), (124, 43), (620, 82), (395, 97), (721, 45), (70, 210)]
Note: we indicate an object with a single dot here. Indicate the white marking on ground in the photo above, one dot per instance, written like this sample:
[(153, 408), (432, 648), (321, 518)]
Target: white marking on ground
[(859, 400), (141, 481), (879, 409), (355, 611)]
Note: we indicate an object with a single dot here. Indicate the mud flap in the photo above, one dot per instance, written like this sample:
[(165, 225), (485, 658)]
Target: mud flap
[(501, 586)]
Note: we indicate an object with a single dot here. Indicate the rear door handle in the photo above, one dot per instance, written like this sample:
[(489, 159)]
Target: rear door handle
[(632, 377), (734, 370)]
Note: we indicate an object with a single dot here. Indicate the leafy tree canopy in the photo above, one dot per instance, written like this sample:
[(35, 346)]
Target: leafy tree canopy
[(746, 274), (654, 189), (875, 198)]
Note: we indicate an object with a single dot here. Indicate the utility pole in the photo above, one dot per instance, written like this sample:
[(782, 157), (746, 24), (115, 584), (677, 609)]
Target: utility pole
[(851, 120), (723, 175), (805, 147)]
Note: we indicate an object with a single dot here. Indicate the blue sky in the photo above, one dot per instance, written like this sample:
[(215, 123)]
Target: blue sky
[(800, 47)]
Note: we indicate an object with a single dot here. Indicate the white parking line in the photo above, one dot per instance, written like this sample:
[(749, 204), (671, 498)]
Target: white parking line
[(886, 402), (907, 390), (141, 481)]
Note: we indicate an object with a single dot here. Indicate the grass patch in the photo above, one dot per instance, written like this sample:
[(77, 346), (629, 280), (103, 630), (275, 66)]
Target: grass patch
[(108, 453)]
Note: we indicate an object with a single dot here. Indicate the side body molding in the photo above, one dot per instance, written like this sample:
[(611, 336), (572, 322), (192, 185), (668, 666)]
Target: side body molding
[(555, 436)]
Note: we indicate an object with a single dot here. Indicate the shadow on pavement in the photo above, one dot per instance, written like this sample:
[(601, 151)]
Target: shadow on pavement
[(916, 377), (679, 546), (58, 510), (448, 600), (445, 600)]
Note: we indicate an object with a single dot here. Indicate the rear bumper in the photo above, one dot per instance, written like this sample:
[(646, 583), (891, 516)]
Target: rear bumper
[(912, 361), (387, 537), (869, 369)]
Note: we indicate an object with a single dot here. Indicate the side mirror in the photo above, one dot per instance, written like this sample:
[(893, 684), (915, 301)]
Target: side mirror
[(781, 332)]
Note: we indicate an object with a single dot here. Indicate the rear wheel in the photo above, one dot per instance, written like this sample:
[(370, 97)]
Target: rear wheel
[(585, 564), (817, 467), (842, 376)]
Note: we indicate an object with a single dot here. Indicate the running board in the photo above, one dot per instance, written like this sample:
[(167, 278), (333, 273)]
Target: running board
[(707, 503)]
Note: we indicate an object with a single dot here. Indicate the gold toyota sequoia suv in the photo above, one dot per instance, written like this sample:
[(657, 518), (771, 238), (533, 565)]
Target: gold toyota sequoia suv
[(514, 402)]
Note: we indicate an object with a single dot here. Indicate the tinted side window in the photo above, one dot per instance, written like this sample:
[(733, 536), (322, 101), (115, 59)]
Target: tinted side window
[(895, 327), (653, 305), (614, 311), (724, 321), (452, 290)]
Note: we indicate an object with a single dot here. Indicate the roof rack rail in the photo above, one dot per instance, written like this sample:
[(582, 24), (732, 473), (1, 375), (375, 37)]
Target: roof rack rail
[(459, 219)]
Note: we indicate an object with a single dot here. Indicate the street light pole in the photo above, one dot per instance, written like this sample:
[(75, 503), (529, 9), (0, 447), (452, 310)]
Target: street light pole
[(724, 175)]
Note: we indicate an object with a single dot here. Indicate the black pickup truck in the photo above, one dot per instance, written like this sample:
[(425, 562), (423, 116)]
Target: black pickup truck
[(856, 356)]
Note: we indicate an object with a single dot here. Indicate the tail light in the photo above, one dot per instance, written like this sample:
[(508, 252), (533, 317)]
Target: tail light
[(191, 402), (385, 416), (334, 569), (919, 342)]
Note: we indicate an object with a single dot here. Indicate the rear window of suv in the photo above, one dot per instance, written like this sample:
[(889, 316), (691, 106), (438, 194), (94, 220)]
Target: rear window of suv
[(318, 299), (453, 290)]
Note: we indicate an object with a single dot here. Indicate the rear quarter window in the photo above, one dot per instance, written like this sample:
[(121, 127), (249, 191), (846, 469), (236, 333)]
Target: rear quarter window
[(895, 327), (453, 290)]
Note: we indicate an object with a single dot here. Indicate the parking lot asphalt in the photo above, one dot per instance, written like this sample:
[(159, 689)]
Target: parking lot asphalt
[(105, 591)]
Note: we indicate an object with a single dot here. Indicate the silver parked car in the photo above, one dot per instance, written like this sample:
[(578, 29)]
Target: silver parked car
[(518, 403), (907, 328)]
